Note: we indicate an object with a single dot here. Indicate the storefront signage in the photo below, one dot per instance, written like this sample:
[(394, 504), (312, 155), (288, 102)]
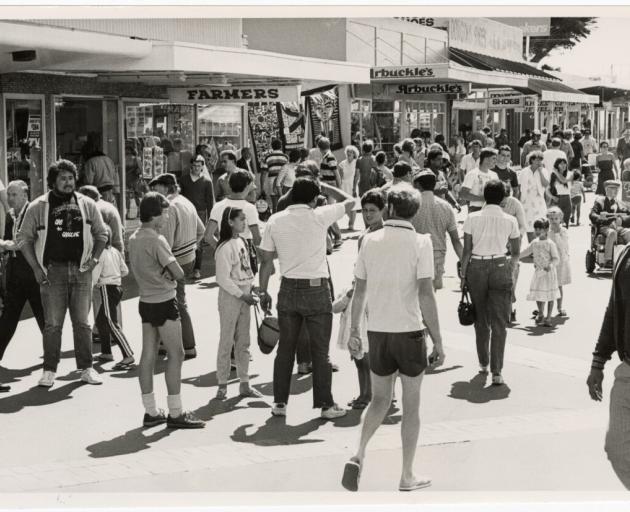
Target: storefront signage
[(507, 102), (471, 104), (233, 94), (397, 73), (401, 91), (535, 27), (485, 36)]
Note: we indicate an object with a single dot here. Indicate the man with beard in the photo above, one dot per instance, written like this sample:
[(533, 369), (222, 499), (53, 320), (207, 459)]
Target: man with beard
[(62, 237)]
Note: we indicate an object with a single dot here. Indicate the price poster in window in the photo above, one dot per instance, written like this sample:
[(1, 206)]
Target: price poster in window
[(158, 160), (147, 163)]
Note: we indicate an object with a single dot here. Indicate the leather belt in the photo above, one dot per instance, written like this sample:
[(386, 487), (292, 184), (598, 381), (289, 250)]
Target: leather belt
[(495, 257)]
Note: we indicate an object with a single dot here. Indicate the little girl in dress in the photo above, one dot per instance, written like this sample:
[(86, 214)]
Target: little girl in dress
[(544, 287), (560, 236)]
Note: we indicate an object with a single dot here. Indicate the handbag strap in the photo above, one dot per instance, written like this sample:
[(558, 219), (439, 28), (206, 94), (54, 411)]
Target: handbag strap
[(465, 294), (256, 317)]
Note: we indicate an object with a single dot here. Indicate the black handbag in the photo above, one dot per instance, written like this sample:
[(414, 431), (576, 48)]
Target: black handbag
[(466, 309)]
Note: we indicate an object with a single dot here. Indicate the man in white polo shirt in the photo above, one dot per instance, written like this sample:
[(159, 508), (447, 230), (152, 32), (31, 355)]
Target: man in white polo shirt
[(488, 273), (298, 235), (400, 304), (475, 180)]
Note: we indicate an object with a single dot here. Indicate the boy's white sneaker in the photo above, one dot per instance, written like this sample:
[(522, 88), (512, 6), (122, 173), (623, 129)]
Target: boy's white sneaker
[(91, 376), (47, 380)]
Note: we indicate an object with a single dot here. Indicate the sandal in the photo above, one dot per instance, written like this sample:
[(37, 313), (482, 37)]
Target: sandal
[(250, 393), (540, 319), (351, 475)]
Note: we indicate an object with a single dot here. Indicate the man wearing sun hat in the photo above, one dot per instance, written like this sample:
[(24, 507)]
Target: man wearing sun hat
[(612, 219)]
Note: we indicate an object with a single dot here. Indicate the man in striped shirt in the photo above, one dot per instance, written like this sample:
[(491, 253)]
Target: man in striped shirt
[(274, 163), (183, 230)]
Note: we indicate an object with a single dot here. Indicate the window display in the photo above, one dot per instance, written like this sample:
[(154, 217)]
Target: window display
[(24, 136)]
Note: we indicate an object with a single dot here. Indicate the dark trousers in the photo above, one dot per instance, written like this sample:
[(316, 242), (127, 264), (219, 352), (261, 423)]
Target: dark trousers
[(203, 215), (302, 303), (21, 287), (490, 284), (107, 320), (564, 203)]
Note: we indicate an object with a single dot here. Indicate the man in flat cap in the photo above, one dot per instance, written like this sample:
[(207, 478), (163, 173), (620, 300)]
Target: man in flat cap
[(611, 219)]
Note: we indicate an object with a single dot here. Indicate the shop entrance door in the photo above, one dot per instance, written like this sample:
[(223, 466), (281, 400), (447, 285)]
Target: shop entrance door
[(86, 127), (24, 148)]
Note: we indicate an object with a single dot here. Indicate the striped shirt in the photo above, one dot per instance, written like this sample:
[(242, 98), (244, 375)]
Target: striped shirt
[(298, 235), (274, 162), (328, 166), (182, 229)]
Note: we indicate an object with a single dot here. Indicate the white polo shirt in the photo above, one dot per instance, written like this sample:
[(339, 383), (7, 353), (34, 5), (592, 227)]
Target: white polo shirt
[(392, 260), (298, 235), (476, 180), (491, 229)]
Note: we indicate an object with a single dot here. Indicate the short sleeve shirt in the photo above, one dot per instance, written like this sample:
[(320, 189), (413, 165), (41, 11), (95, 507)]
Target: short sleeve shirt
[(476, 180), (491, 230), (250, 211), (507, 175), (298, 235), (393, 295), (149, 255), (435, 217)]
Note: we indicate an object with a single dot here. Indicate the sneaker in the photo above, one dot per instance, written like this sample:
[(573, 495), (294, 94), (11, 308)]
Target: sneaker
[(250, 392), (196, 274), (105, 357), (91, 376), (333, 412), (497, 380), (47, 380), (185, 420), (153, 421), (279, 409), (304, 368)]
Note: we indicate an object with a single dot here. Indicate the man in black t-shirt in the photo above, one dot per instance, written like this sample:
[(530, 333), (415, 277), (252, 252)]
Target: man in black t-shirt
[(505, 173), (62, 237)]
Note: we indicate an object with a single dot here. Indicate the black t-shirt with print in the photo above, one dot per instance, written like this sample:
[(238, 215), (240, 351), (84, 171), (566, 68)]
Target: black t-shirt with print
[(64, 241), (507, 175)]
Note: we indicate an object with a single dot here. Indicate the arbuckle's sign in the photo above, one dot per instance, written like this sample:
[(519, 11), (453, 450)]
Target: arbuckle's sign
[(439, 88), (395, 73), (255, 94)]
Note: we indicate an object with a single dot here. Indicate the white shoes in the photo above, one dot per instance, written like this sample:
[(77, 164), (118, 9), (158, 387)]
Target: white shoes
[(47, 380), (91, 376)]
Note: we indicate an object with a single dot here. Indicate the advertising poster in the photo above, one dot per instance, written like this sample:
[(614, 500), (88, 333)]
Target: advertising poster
[(323, 111), (264, 125), (158, 160), (34, 131)]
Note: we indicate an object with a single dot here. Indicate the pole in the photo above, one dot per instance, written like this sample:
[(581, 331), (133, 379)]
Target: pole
[(527, 48)]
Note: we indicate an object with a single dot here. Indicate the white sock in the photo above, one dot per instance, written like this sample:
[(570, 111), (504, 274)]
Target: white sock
[(148, 400), (174, 405)]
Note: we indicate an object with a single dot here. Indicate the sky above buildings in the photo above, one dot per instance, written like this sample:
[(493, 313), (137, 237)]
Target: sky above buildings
[(594, 56)]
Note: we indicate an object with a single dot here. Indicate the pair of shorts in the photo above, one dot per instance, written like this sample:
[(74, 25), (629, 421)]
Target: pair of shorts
[(404, 352), (157, 314), (576, 200)]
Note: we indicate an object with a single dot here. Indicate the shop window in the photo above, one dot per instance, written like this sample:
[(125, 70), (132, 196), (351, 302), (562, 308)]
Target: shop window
[(376, 120), (159, 138), (221, 125), (425, 116), (24, 138)]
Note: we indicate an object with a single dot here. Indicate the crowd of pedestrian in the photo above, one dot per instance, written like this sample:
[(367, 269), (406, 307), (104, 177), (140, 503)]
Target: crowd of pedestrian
[(66, 249)]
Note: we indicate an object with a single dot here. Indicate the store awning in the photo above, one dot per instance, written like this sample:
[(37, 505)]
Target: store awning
[(487, 63), (557, 91), (607, 92), (28, 46), (180, 64)]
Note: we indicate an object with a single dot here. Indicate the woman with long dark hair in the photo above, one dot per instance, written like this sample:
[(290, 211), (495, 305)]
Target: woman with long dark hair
[(561, 180), (235, 279)]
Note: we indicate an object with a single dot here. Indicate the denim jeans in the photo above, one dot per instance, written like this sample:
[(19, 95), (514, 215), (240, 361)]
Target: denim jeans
[(188, 335), (68, 289), (490, 284), (300, 303)]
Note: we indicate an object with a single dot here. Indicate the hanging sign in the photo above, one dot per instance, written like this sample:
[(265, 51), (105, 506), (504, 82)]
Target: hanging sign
[(507, 102), (470, 104), (256, 94)]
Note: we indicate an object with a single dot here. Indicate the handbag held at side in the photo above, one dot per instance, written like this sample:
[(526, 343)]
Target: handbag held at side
[(466, 309)]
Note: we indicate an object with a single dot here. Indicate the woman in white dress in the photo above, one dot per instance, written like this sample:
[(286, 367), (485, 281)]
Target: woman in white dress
[(347, 170), (534, 181)]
